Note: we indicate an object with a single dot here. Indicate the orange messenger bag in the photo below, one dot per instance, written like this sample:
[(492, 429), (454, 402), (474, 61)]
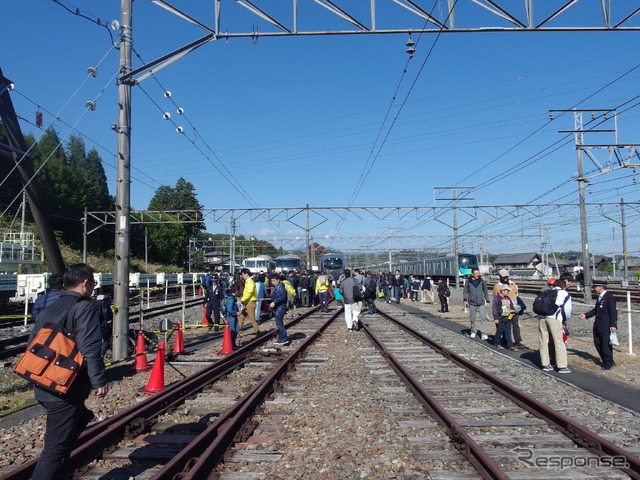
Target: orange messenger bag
[(52, 361)]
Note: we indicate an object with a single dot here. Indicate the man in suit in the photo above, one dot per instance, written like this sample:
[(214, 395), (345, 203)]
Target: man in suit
[(606, 322)]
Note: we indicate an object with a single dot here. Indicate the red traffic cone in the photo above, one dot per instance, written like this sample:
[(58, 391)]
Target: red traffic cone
[(156, 380), (140, 364), (178, 343), (227, 343), (205, 320), (200, 294)]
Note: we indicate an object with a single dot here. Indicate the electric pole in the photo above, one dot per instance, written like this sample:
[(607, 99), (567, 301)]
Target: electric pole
[(123, 189)]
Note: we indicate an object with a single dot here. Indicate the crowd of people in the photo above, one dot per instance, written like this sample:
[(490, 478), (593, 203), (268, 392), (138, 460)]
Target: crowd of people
[(507, 306), (248, 297)]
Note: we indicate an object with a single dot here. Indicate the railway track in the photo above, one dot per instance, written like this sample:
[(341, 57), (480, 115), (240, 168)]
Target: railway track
[(458, 419), (223, 416), (619, 293), (10, 347)]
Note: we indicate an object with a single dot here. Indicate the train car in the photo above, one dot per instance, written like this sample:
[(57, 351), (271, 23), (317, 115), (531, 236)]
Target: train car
[(8, 286), (142, 280), (261, 263), (30, 286), (104, 282), (289, 262), (332, 263), (439, 267), (166, 278), (186, 278)]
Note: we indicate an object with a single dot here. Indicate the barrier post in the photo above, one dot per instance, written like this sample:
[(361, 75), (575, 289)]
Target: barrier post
[(148, 294), (26, 313), (183, 294), (630, 325), (166, 291)]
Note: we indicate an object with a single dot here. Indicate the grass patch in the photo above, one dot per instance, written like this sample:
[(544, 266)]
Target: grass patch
[(16, 393)]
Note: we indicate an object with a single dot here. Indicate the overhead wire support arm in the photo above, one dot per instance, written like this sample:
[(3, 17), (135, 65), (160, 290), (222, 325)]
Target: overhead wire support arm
[(332, 7), (420, 12), (262, 14), (500, 12), (165, 60)]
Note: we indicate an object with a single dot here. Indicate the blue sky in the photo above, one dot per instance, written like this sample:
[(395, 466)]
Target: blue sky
[(295, 119)]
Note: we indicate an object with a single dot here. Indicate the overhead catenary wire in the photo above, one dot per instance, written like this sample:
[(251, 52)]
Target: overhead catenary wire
[(83, 135), (565, 140), (55, 117), (229, 177), (58, 145), (88, 16), (371, 160)]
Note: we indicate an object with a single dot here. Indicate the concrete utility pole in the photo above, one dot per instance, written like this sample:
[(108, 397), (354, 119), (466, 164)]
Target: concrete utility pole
[(616, 160), (389, 239), (465, 193), (625, 276), (455, 237), (584, 236), (123, 189), (232, 247), (308, 240)]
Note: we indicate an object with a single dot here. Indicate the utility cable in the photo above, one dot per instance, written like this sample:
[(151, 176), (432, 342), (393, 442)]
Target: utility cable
[(371, 160), (229, 177), (58, 145), (55, 116), (112, 165), (88, 16), (620, 77)]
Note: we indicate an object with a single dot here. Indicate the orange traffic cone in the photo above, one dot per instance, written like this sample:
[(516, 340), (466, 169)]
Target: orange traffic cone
[(156, 380), (205, 320), (227, 343), (200, 294), (141, 364), (178, 343)]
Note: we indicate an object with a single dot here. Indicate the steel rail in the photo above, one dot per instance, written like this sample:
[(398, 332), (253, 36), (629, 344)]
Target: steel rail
[(575, 431), (136, 419), (11, 347), (462, 441), (155, 311), (200, 457)]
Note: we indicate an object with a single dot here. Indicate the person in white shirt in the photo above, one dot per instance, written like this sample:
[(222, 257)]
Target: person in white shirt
[(552, 326)]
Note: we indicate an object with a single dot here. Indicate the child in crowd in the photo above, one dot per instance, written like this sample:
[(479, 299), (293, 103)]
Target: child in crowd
[(338, 297), (232, 314), (503, 311)]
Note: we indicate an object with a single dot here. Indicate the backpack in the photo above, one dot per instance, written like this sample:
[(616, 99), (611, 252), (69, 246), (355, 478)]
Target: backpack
[(357, 293), (545, 303), (371, 287), (105, 313), (447, 292)]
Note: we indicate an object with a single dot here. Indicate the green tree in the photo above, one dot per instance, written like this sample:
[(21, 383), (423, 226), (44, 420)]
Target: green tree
[(181, 198)]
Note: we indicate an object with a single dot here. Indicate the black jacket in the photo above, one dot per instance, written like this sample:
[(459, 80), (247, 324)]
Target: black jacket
[(605, 313), (84, 322), (214, 296)]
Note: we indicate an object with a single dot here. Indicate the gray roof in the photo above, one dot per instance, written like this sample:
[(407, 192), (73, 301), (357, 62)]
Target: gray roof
[(515, 259)]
